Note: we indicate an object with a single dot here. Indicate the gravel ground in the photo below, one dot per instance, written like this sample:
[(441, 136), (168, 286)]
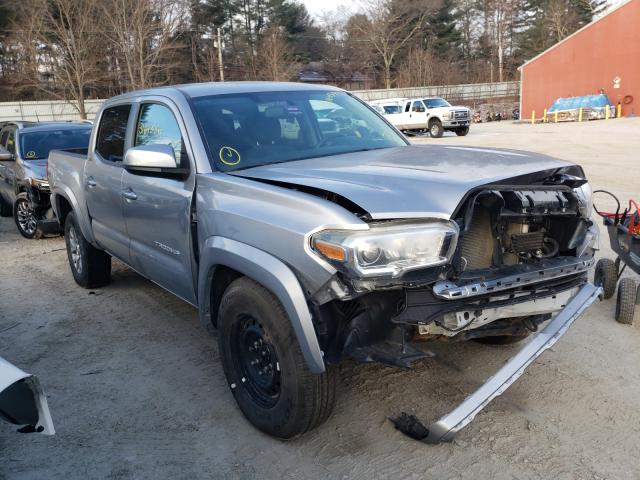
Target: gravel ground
[(136, 388)]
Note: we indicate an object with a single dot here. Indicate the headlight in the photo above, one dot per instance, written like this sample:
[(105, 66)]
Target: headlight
[(446, 116), (36, 182), (584, 194), (387, 250)]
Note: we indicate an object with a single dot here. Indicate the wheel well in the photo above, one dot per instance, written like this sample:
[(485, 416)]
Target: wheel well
[(64, 208), (220, 281), (434, 120)]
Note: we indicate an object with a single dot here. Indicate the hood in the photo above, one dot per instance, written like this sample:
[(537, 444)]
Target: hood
[(418, 181), (448, 109), (36, 169)]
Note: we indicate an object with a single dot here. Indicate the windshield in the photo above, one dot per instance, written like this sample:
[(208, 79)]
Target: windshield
[(247, 130), (36, 145), (436, 102)]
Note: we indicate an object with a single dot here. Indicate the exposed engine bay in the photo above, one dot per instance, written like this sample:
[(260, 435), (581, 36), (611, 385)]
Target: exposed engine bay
[(521, 256)]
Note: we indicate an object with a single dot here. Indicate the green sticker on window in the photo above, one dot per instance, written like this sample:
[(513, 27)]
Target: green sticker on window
[(31, 154), (229, 156)]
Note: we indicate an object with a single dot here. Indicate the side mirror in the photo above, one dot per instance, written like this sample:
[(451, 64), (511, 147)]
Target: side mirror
[(155, 158), (6, 155)]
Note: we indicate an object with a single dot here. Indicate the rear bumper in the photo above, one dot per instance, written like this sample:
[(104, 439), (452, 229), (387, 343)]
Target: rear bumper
[(446, 428)]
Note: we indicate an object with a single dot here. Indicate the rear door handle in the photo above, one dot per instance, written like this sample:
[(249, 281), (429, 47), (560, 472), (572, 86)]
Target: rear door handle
[(130, 195), (91, 182)]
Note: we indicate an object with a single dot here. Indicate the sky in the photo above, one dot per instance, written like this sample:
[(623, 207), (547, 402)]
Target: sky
[(317, 7)]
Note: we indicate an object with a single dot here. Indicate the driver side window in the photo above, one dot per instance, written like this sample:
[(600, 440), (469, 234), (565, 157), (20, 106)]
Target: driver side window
[(418, 106), (11, 141), (157, 125)]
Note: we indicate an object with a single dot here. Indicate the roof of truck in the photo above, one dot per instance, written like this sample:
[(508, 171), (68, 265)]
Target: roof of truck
[(225, 88)]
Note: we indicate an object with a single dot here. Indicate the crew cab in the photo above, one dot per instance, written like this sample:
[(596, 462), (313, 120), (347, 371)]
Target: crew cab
[(434, 115), (24, 188), (304, 242)]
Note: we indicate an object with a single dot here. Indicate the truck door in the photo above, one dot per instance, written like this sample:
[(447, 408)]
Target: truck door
[(416, 117), (103, 182), (157, 208)]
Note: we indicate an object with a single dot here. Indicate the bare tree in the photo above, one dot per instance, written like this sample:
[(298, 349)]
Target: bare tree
[(388, 28), (142, 31), (60, 40), (273, 56)]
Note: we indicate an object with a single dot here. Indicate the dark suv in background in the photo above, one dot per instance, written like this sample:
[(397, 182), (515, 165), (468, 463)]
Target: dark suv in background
[(24, 188)]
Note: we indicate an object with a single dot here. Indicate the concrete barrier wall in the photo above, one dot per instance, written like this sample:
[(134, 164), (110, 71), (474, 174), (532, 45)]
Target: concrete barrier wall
[(470, 93), (46, 110)]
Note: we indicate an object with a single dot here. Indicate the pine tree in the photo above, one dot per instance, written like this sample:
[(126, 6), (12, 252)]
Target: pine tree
[(447, 39)]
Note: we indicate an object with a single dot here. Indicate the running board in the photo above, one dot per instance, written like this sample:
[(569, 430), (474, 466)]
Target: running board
[(446, 428)]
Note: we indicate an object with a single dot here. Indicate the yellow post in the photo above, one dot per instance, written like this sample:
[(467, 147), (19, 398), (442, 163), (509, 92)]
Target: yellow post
[(533, 117), (606, 112), (580, 114), (619, 114), (555, 116), (544, 116)]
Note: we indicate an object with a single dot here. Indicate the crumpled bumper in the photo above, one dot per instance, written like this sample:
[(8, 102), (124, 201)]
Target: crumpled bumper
[(23, 401), (446, 427)]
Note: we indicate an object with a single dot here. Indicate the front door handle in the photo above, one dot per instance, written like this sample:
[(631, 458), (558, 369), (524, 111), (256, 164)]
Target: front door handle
[(130, 195), (91, 182)]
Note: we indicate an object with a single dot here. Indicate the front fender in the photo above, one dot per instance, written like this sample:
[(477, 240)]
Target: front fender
[(271, 273)]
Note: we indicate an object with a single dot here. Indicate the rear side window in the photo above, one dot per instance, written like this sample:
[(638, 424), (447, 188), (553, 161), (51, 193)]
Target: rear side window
[(112, 133)]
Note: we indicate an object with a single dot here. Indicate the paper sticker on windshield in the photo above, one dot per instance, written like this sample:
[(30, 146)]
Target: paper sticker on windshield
[(229, 156), (31, 154), (330, 96)]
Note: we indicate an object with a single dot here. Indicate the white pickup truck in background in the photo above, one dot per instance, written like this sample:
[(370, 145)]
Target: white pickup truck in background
[(434, 115)]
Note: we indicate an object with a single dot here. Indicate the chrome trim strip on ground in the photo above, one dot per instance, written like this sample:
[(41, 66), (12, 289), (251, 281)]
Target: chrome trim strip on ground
[(446, 428)]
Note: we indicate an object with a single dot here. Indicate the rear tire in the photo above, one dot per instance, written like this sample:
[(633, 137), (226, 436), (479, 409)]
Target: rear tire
[(435, 129), (264, 365), (606, 276), (91, 268), (626, 301), (462, 132)]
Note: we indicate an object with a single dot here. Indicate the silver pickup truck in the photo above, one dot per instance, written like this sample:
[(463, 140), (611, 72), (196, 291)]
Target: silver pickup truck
[(305, 238)]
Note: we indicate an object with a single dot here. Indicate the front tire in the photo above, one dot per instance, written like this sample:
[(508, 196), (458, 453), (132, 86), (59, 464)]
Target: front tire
[(264, 366), (626, 301), (91, 268), (25, 217), (462, 132), (435, 129)]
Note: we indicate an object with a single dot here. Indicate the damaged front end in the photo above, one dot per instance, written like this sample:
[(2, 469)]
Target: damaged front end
[(512, 263)]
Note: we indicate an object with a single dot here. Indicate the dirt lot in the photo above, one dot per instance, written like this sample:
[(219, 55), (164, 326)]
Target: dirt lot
[(136, 388)]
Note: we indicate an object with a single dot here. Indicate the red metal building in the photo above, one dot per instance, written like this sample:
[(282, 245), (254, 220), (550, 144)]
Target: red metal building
[(602, 56)]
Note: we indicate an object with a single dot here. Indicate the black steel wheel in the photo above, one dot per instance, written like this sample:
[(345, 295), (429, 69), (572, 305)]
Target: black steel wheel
[(606, 276), (257, 360), (25, 217), (264, 365), (626, 301)]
